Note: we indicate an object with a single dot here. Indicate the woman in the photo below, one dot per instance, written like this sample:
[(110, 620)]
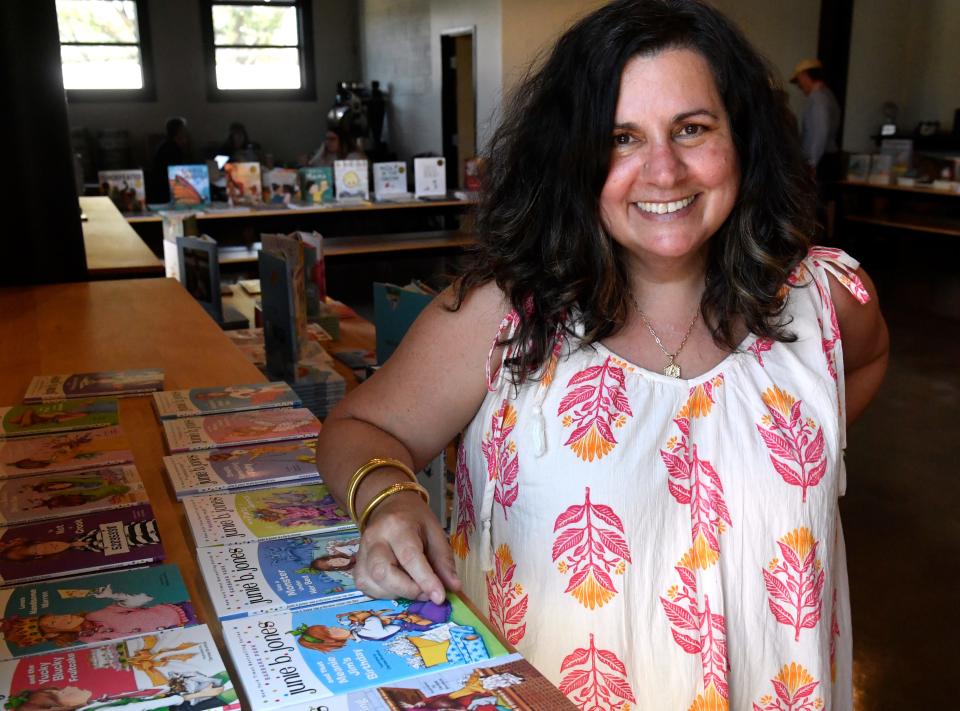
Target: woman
[(648, 481)]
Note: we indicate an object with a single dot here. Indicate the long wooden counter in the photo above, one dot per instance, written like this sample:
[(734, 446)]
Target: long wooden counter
[(113, 248)]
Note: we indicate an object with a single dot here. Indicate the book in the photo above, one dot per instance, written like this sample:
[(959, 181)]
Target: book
[(125, 188), (352, 183), (281, 186), (69, 451), (858, 167), (316, 184), (233, 428), (293, 251), (170, 670), (237, 467), (900, 151), (263, 514), (246, 579), (429, 177), (304, 655), (189, 185), (227, 398), (243, 183), (278, 306), (103, 382), (48, 496), (395, 309), (390, 180), (79, 612), (880, 169), (58, 416), (79, 544)]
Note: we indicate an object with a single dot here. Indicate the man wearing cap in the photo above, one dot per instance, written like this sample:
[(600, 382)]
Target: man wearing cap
[(820, 121)]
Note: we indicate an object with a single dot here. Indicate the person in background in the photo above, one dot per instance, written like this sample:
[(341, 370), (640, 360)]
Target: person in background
[(819, 122), (173, 150), (652, 370), (238, 147), (336, 146)]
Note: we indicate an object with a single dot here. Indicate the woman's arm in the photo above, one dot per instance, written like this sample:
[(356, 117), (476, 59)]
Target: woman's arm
[(426, 393)]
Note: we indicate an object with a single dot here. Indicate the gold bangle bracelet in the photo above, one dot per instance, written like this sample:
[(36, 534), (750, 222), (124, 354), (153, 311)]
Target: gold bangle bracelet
[(386, 494), (364, 470)]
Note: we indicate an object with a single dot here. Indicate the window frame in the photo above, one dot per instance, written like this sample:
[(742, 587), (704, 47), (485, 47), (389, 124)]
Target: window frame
[(307, 90), (147, 92)]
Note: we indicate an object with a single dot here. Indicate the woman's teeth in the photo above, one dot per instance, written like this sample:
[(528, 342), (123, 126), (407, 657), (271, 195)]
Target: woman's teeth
[(664, 208)]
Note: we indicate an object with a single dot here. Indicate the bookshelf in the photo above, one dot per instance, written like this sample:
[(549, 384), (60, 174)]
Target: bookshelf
[(895, 207)]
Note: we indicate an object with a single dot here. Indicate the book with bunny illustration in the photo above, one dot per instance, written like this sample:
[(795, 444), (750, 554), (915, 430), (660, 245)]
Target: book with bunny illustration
[(284, 573), (261, 514), (248, 465), (104, 382), (191, 433), (64, 452), (226, 398), (79, 612), (48, 496), (300, 656), (175, 669), (58, 416)]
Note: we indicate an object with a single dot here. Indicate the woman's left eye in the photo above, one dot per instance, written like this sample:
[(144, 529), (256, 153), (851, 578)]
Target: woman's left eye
[(691, 129)]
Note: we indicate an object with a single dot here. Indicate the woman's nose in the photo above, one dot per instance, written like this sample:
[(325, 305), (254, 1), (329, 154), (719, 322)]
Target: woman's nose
[(663, 165)]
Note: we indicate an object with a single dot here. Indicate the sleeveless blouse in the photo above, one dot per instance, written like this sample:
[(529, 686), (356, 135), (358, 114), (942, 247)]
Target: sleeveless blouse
[(664, 544)]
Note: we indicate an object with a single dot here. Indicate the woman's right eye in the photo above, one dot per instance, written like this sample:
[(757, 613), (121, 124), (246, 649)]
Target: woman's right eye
[(622, 139)]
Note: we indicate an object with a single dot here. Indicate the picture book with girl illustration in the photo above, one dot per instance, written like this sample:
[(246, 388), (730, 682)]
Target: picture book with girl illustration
[(68, 451), (226, 398), (104, 382), (191, 433), (58, 416)]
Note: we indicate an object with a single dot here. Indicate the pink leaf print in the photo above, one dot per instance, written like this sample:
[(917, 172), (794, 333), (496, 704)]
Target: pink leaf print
[(797, 582), (687, 644), (601, 685), (594, 410), (500, 454), (466, 516), (796, 446), (607, 515), (506, 599), (759, 347)]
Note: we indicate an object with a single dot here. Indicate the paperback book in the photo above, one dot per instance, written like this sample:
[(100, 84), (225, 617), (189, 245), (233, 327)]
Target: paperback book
[(70, 451), (79, 544), (171, 670), (47, 496), (300, 656), (125, 189), (264, 514), (351, 180), (243, 183), (58, 416), (316, 184), (208, 470), (235, 428), (279, 309), (281, 186), (390, 181), (104, 382), (220, 400), (268, 576), (430, 177), (189, 185), (79, 612)]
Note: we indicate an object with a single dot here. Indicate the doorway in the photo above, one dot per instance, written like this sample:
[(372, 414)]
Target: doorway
[(458, 101)]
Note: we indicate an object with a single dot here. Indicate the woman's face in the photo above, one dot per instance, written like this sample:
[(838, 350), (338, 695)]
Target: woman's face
[(674, 174), (61, 623)]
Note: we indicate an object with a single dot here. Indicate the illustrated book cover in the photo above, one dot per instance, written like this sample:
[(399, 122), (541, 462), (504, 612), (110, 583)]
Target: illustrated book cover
[(264, 514), (243, 183), (105, 382), (223, 399), (390, 181), (298, 656), (79, 544), (79, 612), (293, 250), (316, 184), (125, 188), (281, 186), (208, 470), (430, 177), (69, 451), (284, 573), (174, 670), (189, 185), (58, 416), (352, 183), (235, 428)]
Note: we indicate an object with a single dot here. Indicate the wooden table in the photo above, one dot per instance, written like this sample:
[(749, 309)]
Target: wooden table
[(114, 249)]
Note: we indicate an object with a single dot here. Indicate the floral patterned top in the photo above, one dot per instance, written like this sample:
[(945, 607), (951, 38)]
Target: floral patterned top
[(667, 544)]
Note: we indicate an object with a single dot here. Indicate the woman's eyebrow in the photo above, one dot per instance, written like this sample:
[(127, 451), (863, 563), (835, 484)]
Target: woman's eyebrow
[(677, 118)]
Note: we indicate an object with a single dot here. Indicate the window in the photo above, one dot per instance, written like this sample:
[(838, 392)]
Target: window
[(103, 49), (258, 49)]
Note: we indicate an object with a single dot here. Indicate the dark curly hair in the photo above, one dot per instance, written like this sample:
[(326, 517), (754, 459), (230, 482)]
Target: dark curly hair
[(540, 233)]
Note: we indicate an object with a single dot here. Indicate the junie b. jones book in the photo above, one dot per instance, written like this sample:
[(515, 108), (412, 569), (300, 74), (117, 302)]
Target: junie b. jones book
[(262, 514), (69, 451), (104, 382), (58, 416), (228, 398), (235, 428), (83, 611)]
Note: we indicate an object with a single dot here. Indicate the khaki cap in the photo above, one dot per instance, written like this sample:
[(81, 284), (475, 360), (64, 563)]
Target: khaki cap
[(802, 66)]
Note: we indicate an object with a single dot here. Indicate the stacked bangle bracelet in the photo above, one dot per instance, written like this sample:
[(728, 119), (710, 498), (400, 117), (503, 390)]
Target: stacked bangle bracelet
[(387, 493), (361, 474)]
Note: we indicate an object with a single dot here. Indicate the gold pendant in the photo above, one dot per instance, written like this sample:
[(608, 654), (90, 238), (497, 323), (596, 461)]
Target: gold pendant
[(672, 370)]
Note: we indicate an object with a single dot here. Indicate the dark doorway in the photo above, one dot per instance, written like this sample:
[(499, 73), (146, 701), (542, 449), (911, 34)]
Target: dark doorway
[(458, 102)]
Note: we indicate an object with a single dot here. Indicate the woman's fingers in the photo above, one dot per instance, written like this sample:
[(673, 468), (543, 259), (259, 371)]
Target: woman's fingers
[(440, 555), (378, 574)]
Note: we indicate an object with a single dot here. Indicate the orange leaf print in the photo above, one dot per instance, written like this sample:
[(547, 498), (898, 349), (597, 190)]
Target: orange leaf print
[(500, 452), (796, 444), (795, 584), (793, 689), (466, 516), (710, 700), (596, 407)]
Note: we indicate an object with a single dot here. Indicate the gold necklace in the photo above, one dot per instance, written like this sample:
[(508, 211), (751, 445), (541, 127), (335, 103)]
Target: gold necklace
[(671, 370)]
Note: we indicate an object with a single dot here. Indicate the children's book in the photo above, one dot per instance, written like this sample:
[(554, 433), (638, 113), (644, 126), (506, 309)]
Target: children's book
[(104, 382), (303, 655), (316, 184), (125, 189), (235, 428), (79, 612), (293, 251), (243, 183), (79, 544), (210, 470), (280, 331), (228, 398), (199, 272), (430, 177), (189, 185), (58, 416), (263, 514), (173, 670), (390, 181), (47, 496), (858, 167), (351, 180), (881, 166), (69, 451), (270, 576), (281, 186)]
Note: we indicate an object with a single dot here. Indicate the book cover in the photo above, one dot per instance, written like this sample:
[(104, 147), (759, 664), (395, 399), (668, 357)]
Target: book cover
[(125, 189), (80, 544), (227, 398), (299, 656), (268, 576), (881, 166), (263, 514), (293, 251), (79, 612), (281, 186), (48, 496), (243, 183), (70, 451), (280, 333), (351, 178), (189, 185), (58, 416), (316, 184), (390, 180), (178, 669), (235, 428), (430, 177), (199, 272), (237, 467), (858, 167), (104, 382)]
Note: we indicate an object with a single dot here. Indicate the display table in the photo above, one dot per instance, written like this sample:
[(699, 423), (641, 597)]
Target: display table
[(113, 248), (908, 209)]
